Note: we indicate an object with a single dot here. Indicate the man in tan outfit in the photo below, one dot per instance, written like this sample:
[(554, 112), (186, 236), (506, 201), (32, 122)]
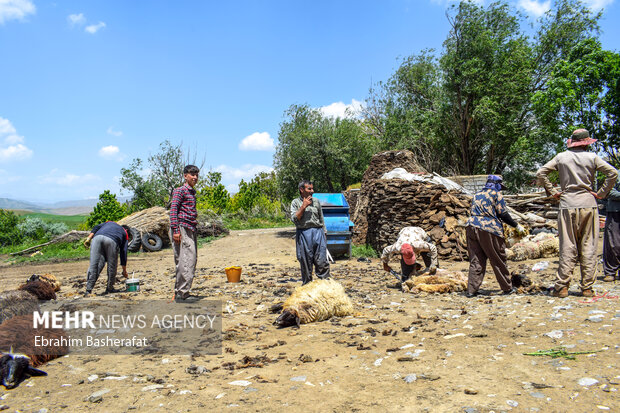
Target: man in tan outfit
[(578, 226)]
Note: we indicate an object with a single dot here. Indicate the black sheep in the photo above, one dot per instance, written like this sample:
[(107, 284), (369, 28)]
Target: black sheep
[(15, 368)]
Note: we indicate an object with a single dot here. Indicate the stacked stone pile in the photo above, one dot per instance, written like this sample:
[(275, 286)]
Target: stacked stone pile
[(396, 203)]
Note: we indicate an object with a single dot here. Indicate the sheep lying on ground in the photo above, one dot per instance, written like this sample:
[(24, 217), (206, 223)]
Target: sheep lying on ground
[(542, 245), (14, 303), (315, 301), (48, 278), (15, 368), (442, 282), (18, 334), (25, 300)]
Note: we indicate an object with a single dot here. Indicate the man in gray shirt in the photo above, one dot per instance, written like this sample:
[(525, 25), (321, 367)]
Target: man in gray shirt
[(578, 226), (310, 240)]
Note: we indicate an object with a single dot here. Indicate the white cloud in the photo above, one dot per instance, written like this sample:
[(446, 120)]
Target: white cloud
[(76, 19), (6, 178), (113, 132), (15, 9), (535, 8), (598, 4), (12, 146), (245, 172), (258, 141), (111, 152), (57, 177), (342, 110), (94, 28)]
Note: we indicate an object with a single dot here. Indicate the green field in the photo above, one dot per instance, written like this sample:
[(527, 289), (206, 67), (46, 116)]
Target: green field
[(71, 221)]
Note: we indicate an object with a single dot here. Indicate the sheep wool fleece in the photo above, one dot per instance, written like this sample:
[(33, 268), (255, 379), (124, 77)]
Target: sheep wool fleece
[(102, 250), (311, 248)]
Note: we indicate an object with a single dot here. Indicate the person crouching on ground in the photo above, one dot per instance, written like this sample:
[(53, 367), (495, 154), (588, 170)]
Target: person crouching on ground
[(578, 225), (485, 236), (106, 241), (183, 221), (411, 242), (310, 238)]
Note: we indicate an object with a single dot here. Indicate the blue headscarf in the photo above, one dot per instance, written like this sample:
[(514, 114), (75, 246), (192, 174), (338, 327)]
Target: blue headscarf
[(494, 182)]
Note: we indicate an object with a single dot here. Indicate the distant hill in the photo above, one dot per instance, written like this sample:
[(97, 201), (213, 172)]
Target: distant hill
[(78, 207), (6, 203)]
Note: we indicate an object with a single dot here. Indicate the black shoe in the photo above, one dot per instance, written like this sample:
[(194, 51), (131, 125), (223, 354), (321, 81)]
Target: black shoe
[(471, 295), (510, 292), (188, 299), (88, 293), (112, 291)]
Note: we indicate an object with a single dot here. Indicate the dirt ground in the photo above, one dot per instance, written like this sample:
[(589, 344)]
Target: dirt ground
[(400, 352)]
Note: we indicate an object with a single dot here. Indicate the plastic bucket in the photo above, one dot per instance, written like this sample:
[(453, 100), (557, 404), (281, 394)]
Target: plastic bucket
[(233, 274), (132, 285)]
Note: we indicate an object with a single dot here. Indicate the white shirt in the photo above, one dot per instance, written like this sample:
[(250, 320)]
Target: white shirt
[(414, 236)]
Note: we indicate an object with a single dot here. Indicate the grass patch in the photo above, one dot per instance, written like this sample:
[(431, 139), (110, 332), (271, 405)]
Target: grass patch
[(235, 223), (71, 221), (363, 251), (62, 252), (207, 240)]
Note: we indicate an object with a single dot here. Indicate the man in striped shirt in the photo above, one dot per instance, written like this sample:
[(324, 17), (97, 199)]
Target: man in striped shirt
[(183, 221)]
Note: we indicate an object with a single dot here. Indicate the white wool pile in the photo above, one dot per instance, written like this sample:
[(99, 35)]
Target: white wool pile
[(319, 300)]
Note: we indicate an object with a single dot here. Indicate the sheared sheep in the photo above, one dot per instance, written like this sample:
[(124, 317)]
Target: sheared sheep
[(542, 245), (19, 334), (48, 278), (15, 368), (315, 301)]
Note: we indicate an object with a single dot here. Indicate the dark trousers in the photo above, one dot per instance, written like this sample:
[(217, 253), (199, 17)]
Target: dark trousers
[(611, 244), (102, 250), (311, 248), (483, 246), (407, 269)]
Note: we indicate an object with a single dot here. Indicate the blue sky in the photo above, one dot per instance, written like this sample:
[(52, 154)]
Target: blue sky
[(85, 87)]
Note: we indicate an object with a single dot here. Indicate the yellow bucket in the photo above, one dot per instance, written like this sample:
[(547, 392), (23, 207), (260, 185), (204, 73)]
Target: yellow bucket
[(233, 274)]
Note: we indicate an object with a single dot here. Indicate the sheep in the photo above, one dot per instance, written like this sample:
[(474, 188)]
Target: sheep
[(15, 368), (25, 300), (18, 333), (40, 289), (315, 301), (48, 278), (13, 303)]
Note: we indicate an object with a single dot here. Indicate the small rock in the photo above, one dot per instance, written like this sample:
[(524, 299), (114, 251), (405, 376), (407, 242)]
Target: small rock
[(512, 403), (554, 334), (305, 358), (196, 370), (587, 381), (97, 396), (298, 378), (153, 387), (378, 362), (219, 396), (470, 410), (601, 407), (537, 395), (431, 377), (410, 378), (470, 391), (595, 318)]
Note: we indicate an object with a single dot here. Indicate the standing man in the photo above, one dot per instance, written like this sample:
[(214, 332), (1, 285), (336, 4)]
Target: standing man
[(106, 241), (485, 236), (183, 221), (411, 241), (310, 239), (611, 238), (578, 226)]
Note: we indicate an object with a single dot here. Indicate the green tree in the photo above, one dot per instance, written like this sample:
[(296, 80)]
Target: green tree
[(212, 195), (333, 153), (583, 91), (9, 232), (152, 183), (107, 209)]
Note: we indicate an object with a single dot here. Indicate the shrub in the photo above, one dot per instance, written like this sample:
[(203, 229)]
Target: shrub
[(107, 209), (9, 233), (36, 228)]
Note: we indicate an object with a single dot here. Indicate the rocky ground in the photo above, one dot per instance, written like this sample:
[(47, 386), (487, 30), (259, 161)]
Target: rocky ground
[(399, 352)]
